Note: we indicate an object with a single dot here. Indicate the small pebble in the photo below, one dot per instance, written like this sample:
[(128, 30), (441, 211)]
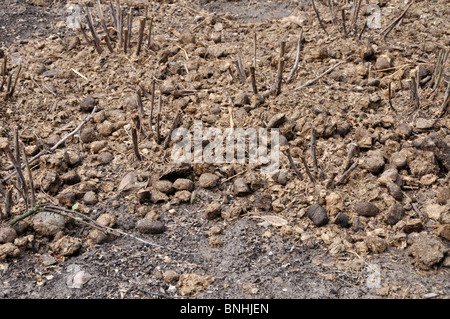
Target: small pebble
[(318, 215)]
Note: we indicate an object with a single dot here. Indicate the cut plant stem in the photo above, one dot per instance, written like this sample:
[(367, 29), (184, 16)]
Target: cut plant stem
[(149, 41), (30, 177), (175, 124), (253, 79), (89, 42), (158, 119), (346, 174), (356, 7), (319, 77), (297, 58), (392, 25), (313, 150), (279, 78), (390, 97), (240, 68), (113, 15), (414, 95), (293, 166), (19, 174), (105, 28), (141, 36), (93, 32), (446, 100), (307, 168), (135, 143), (318, 17), (130, 26), (254, 50), (151, 106), (343, 21), (350, 153), (362, 30)]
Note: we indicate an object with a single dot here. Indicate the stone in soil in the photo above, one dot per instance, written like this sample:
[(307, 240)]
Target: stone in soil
[(7, 235), (66, 246), (70, 178), (48, 224), (8, 250), (150, 226), (170, 276), (427, 250), (88, 104), (414, 225), (163, 186), (183, 184), (88, 135), (396, 213), (90, 198), (213, 211), (376, 244), (318, 215), (107, 220), (208, 180), (342, 220), (366, 209), (191, 284), (240, 187), (395, 191)]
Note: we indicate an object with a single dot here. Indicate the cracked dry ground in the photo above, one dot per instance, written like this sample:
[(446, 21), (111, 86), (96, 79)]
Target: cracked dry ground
[(228, 230)]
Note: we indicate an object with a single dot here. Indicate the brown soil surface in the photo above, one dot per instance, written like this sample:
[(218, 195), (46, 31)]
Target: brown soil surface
[(386, 232)]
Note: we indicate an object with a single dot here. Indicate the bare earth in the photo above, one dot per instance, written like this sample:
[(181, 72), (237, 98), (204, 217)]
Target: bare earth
[(260, 244)]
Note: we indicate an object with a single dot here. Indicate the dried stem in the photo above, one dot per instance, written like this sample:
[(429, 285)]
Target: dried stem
[(446, 100), (141, 36), (19, 174), (391, 26), (414, 95), (313, 150), (30, 177), (356, 7), (158, 119), (54, 147), (253, 79), (93, 32), (105, 29), (330, 5), (89, 42), (343, 22), (307, 168), (362, 30), (135, 143), (150, 26), (175, 124), (240, 68), (113, 14), (319, 77), (293, 166), (254, 50), (130, 26), (151, 106), (390, 97), (350, 153), (344, 176), (297, 58), (279, 78), (318, 17)]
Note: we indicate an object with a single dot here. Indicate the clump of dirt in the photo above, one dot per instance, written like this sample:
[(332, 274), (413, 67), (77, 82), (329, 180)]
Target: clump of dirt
[(358, 206)]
